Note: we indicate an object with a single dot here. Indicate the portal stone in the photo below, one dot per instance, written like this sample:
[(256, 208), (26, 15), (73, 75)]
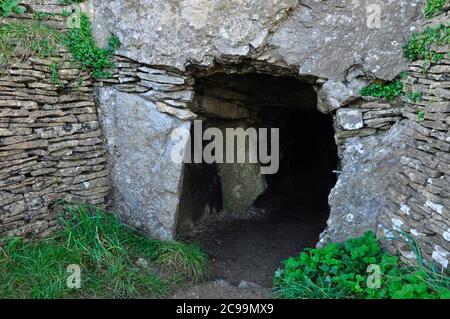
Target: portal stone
[(146, 183)]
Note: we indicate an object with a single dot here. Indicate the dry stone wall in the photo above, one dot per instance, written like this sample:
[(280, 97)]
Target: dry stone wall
[(365, 117), (418, 203), (51, 143)]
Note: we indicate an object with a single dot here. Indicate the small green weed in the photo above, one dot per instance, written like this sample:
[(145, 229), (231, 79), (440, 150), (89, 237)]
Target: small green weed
[(388, 91), (434, 6), (54, 78), (8, 7), (419, 46), (84, 49), (421, 116), (413, 96), (43, 15)]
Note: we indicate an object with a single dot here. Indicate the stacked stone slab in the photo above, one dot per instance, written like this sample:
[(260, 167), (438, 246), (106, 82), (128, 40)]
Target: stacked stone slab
[(51, 144), (354, 115), (365, 117), (418, 204), (171, 91)]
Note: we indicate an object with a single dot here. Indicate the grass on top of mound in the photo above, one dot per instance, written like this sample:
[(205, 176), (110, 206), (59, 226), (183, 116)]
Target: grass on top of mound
[(114, 261), (20, 40)]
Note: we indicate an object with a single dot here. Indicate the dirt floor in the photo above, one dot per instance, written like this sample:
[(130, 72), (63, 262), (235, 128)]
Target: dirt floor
[(245, 253)]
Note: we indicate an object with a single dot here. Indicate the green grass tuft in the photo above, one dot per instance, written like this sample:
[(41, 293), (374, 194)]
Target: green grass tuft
[(188, 260), (34, 270), (8, 7), (20, 40), (107, 253)]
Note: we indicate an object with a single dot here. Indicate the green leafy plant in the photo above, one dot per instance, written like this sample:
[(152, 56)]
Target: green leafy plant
[(388, 91), (434, 6), (65, 13), (421, 116), (413, 96), (7, 7), (340, 271), (419, 46), (403, 75), (84, 49), (116, 261), (54, 78)]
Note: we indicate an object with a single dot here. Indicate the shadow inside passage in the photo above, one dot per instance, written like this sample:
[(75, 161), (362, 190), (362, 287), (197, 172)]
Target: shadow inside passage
[(293, 212)]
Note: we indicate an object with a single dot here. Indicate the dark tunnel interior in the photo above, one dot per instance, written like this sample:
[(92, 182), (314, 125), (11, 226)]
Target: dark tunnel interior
[(293, 210)]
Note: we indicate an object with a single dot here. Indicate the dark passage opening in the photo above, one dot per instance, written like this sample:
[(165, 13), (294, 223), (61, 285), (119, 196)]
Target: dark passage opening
[(289, 209)]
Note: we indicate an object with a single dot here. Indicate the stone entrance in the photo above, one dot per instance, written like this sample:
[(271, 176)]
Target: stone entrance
[(307, 152)]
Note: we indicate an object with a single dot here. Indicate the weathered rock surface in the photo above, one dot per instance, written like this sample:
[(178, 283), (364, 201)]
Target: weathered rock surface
[(368, 166), (241, 184), (321, 38), (146, 183), (333, 95)]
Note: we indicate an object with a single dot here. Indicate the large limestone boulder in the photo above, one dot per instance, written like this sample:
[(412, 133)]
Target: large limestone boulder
[(320, 38), (330, 38), (146, 183), (357, 199)]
